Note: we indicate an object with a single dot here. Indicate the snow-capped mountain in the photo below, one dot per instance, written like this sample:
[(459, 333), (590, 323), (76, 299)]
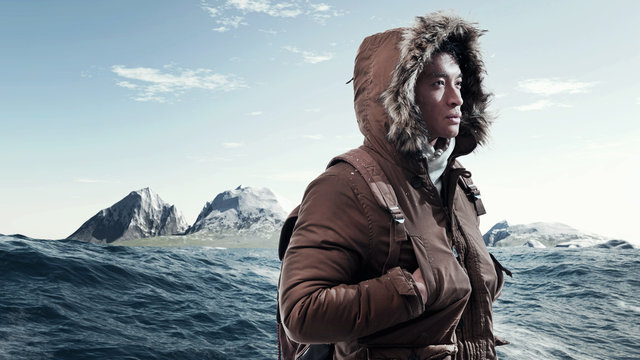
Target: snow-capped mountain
[(245, 211), (138, 215), (546, 234)]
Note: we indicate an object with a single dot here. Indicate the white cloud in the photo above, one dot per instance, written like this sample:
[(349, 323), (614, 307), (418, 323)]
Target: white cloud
[(349, 137), (213, 12), (322, 12), (155, 84), (638, 101), (126, 84), (310, 56), (255, 113), (554, 86), (229, 9), (313, 137), (539, 105), (272, 8), (233, 21), (232, 145), (320, 7), (269, 31)]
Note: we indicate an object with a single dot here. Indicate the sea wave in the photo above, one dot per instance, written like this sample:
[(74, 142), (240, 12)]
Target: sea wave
[(75, 300)]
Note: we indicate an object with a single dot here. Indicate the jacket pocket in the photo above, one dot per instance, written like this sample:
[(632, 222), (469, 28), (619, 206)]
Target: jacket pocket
[(446, 280), (448, 289)]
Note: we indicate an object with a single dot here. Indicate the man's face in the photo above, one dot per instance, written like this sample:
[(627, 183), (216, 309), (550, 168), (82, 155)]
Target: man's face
[(438, 96)]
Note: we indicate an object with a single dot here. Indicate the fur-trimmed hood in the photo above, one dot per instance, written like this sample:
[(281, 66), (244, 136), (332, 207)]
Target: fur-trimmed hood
[(386, 70)]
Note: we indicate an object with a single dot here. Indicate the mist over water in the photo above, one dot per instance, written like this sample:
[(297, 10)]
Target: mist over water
[(74, 300)]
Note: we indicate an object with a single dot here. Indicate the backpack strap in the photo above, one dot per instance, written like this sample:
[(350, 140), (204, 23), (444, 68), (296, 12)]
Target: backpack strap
[(287, 231), (384, 194), (472, 192)]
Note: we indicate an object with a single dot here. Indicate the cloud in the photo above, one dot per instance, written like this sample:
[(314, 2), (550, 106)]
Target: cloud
[(320, 7), (310, 56), (554, 86), (313, 137), (223, 10), (213, 12), (155, 84), (232, 145), (638, 101), (271, 8), (268, 31), (255, 113), (126, 84), (228, 23), (323, 12), (348, 137), (539, 105)]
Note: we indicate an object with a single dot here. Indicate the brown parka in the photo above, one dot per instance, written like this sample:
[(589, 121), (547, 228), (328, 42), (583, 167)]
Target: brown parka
[(333, 288)]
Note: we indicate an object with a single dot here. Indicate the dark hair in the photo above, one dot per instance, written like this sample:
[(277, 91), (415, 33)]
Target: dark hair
[(453, 48)]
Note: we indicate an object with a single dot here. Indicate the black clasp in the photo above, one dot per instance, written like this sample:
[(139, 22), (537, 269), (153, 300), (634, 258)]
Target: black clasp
[(473, 193)]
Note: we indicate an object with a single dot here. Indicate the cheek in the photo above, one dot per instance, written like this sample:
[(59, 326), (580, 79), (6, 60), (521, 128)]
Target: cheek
[(422, 99), (428, 103)]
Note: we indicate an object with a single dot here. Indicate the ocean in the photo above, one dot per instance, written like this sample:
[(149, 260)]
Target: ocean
[(63, 299)]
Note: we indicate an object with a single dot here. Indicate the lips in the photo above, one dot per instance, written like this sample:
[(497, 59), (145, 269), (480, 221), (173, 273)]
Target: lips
[(454, 117)]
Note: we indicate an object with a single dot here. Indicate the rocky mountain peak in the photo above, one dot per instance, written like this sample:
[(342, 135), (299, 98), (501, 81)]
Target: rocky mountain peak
[(246, 210), (142, 213)]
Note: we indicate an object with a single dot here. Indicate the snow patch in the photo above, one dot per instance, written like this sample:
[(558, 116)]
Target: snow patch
[(547, 234)]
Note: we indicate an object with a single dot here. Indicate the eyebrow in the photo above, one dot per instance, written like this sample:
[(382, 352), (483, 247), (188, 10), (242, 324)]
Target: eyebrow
[(444, 75)]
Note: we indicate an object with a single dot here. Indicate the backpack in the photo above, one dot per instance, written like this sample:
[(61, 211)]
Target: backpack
[(385, 196)]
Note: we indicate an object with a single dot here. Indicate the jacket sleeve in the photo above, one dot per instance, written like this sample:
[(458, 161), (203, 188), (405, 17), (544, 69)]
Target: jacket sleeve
[(319, 300)]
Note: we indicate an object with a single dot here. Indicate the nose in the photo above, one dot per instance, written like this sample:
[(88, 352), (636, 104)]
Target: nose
[(454, 97)]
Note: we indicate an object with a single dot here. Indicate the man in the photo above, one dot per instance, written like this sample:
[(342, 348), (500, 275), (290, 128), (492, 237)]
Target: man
[(420, 105)]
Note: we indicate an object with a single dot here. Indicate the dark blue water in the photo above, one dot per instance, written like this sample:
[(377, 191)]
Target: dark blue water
[(74, 300)]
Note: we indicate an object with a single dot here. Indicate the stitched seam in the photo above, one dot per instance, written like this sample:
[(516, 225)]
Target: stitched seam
[(359, 195)]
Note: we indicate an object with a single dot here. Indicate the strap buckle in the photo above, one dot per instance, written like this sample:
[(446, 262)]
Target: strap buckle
[(396, 214), (473, 193)]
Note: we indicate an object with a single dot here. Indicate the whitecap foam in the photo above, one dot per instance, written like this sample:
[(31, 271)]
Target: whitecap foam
[(626, 306)]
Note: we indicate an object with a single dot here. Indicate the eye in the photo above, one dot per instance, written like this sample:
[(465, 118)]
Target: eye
[(439, 83)]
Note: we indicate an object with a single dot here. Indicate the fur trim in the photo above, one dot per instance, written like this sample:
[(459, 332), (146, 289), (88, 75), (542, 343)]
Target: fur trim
[(407, 130)]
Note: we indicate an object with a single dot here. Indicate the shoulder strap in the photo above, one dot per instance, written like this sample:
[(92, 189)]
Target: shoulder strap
[(472, 192), (384, 194), (287, 230)]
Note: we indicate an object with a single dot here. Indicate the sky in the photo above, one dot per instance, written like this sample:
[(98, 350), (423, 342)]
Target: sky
[(192, 98)]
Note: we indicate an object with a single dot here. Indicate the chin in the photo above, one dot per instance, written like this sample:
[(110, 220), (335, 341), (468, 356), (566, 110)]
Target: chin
[(450, 133)]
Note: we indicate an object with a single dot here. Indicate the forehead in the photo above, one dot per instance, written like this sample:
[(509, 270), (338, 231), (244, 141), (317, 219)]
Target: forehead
[(441, 64)]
